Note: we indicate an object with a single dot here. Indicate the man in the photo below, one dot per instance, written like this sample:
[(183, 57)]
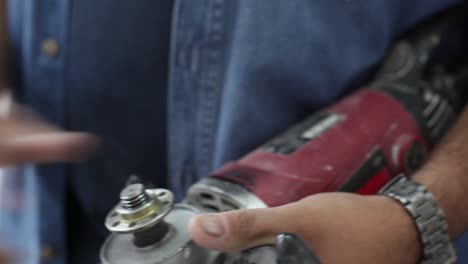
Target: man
[(212, 79)]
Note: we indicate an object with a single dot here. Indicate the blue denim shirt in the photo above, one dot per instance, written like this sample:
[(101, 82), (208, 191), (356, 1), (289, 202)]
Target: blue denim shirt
[(176, 89)]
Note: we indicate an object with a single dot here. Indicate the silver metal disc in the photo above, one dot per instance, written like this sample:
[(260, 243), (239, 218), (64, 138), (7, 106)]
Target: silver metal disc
[(176, 247)]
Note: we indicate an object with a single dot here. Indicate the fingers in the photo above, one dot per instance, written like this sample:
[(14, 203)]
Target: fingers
[(26, 137), (242, 229), (46, 147), (339, 227)]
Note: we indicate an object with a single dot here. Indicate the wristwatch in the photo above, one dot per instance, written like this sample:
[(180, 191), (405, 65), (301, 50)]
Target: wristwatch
[(427, 216)]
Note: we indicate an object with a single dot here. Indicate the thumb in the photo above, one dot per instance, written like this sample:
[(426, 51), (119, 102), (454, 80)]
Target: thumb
[(241, 229)]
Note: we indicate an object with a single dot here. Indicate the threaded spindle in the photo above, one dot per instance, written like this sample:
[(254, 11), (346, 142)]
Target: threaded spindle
[(134, 196)]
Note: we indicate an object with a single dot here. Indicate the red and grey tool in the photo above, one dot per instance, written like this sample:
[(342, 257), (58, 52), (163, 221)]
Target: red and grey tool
[(355, 145)]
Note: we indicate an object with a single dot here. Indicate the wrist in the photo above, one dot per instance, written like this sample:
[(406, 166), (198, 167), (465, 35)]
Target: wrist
[(405, 227)]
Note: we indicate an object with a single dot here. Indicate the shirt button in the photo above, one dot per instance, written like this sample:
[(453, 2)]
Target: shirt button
[(48, 252), (50, 47)]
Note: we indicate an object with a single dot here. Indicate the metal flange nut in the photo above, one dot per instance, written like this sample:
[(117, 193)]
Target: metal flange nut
[(139, 209)]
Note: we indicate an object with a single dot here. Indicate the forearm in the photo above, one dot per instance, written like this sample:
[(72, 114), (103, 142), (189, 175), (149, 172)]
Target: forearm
[(446, 175)]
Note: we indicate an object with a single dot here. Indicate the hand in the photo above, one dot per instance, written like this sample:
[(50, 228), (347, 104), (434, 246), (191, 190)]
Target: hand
[(340, 227), (25, 137)]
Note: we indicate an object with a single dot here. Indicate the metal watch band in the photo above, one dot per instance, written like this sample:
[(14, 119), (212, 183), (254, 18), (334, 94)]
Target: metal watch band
[(428, 217)]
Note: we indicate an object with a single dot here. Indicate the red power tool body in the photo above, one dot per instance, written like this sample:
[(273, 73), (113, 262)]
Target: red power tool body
[(365, 138)]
